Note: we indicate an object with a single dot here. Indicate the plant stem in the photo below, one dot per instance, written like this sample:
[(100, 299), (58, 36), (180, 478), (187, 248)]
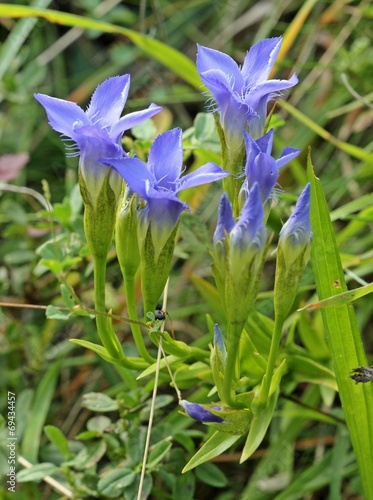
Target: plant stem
[(231, 374), (132, 312), (105, 331), (272, 357)]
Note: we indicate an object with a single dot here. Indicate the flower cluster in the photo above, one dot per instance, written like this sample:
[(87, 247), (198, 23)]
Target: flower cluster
[(149, 212)]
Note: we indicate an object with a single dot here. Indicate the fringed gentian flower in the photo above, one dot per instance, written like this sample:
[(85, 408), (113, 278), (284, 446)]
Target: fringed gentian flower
[(158, 182), (97, 132), (242, 93), (261, 167)]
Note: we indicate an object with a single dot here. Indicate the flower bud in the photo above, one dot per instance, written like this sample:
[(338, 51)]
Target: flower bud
[(126, 235), (218, 359), (293, 253), (223, 418)]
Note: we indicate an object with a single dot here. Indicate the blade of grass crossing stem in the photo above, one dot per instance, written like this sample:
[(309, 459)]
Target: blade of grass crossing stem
[(42, 401), (171, 58), (342, 334)]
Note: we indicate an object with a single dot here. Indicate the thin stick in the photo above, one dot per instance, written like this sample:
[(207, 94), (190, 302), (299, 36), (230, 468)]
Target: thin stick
[(48, 479), (151, 415), (61, 308)]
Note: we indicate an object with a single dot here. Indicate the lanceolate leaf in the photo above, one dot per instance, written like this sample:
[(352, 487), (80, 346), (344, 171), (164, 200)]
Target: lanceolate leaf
[(216, 445), (342, 298), (342, 334)]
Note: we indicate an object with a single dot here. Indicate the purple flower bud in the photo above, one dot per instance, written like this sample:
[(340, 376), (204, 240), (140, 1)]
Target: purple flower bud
[(219, 342), (199, 412), (247, 238), (261, 167), (295, 236), (294, 249)]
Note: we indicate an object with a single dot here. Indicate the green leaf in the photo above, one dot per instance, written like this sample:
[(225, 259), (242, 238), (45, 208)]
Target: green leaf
[(341, 298), (342, 333), (212, 475), (53, 312), (258, 427), (67, 296), (41, 403), (114, 483), (37, 472), (133, 489), (304, 369), (55, 436), (99, 424), (184, 486), (90, 455), (216, 445), (157, 452), (98, 349), (96, 401)]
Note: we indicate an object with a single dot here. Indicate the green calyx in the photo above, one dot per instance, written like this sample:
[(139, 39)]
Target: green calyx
[(126, 241), (288, 276), (155, 271), (99, 219)]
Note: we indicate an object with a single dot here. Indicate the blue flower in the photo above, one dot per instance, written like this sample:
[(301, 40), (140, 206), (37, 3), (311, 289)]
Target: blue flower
[(242, 94), (200, 413), (295, 236), (261, 167), (158, 182), (246, 236), (97, 131)]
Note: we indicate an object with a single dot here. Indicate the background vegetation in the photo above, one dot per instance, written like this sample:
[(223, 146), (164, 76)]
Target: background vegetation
[(307, 453)]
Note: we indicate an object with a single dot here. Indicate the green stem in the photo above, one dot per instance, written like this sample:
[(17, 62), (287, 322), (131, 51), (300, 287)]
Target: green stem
[(272, 357), (107, 336), (233, 163), (231, 371), (132, 312)]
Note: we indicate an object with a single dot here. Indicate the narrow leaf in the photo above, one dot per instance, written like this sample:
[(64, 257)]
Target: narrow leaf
[(342, 334), (216, 445), (342, 298), (258, 428)]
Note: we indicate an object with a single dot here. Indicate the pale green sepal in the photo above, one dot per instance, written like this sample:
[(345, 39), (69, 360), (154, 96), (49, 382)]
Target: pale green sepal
[(99, 218), (126, 241), (235, 421), (288, 276), (258, 427), (216, 445), (155, 271)]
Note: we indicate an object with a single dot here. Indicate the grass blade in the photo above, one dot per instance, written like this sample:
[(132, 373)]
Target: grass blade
[(342, 334), (168, 56)]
